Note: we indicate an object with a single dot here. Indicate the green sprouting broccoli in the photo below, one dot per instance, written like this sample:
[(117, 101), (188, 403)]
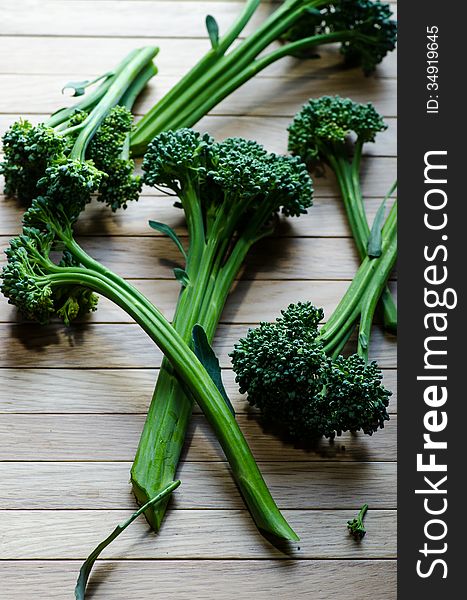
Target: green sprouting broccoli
[(48, 274), (363, 28), (231, 193), (321, 134), (356, 527), (295, 373), (92, 135)]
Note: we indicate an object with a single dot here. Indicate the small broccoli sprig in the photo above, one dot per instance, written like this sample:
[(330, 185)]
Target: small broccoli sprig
[(294, 372), (95, 133), (363, 28), (356, 527), (231, 193), (332, 131)]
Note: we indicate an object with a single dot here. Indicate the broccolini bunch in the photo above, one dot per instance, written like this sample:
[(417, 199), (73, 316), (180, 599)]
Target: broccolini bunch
[(92, 136), (235, 178), (363, 28), (231, 193)]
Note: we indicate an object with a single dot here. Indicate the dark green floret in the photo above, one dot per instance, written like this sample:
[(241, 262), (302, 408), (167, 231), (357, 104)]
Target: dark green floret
[(332, 131), (372, 34), (295, 373)]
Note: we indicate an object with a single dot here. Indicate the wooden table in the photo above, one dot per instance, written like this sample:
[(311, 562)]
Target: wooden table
[(73, 402)]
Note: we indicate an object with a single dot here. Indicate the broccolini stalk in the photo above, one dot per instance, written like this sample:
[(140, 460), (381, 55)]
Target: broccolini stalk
[(320, 134), (231, 192), (93, 136), (363, 27), (42, 288), (295, 373)]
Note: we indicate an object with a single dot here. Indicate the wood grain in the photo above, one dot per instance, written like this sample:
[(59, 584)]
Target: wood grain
[(267, 96), (72, 402), (93, 56), (206, 485), (92, 346), (114, 391), (247, 303), (115, 438), (184, 580), (326, 218), (192, 534)]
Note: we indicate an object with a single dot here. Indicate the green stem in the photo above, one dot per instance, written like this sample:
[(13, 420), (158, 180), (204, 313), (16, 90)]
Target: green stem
[(114, 94), (90, 99), (193, 375), (169, 414), (348, 179), (371, 277)]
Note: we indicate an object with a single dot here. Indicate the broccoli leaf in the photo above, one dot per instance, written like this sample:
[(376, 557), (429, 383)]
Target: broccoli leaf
[(169, 232), (85, 571), (182, 276), (79, 87), (213, 31), (375, 239), (209, 360)]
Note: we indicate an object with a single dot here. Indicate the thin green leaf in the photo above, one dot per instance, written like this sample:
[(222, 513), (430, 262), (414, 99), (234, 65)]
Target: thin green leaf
[(363, 341), (213, 31), (375, 239), (85, 571), (169, 232), (182, 276), (207, 357), (79, 87)]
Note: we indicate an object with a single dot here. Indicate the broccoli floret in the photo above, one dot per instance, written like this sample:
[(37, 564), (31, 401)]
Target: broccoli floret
[(320, 131), (371, 33), (332, 131), (234, 177), (288, 375), (109, 152), (27, 151), (26, 283), (95, 133)]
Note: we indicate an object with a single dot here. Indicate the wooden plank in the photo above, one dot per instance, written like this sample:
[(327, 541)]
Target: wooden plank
[(121, 18), (267, 96), (192, 534), (272, 133), (184, 580), (326, 218), (115, 438), (113, 391), (104, 486), (87, 56), (247, 303), (306, 258), (377, 176), (115, 346)]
